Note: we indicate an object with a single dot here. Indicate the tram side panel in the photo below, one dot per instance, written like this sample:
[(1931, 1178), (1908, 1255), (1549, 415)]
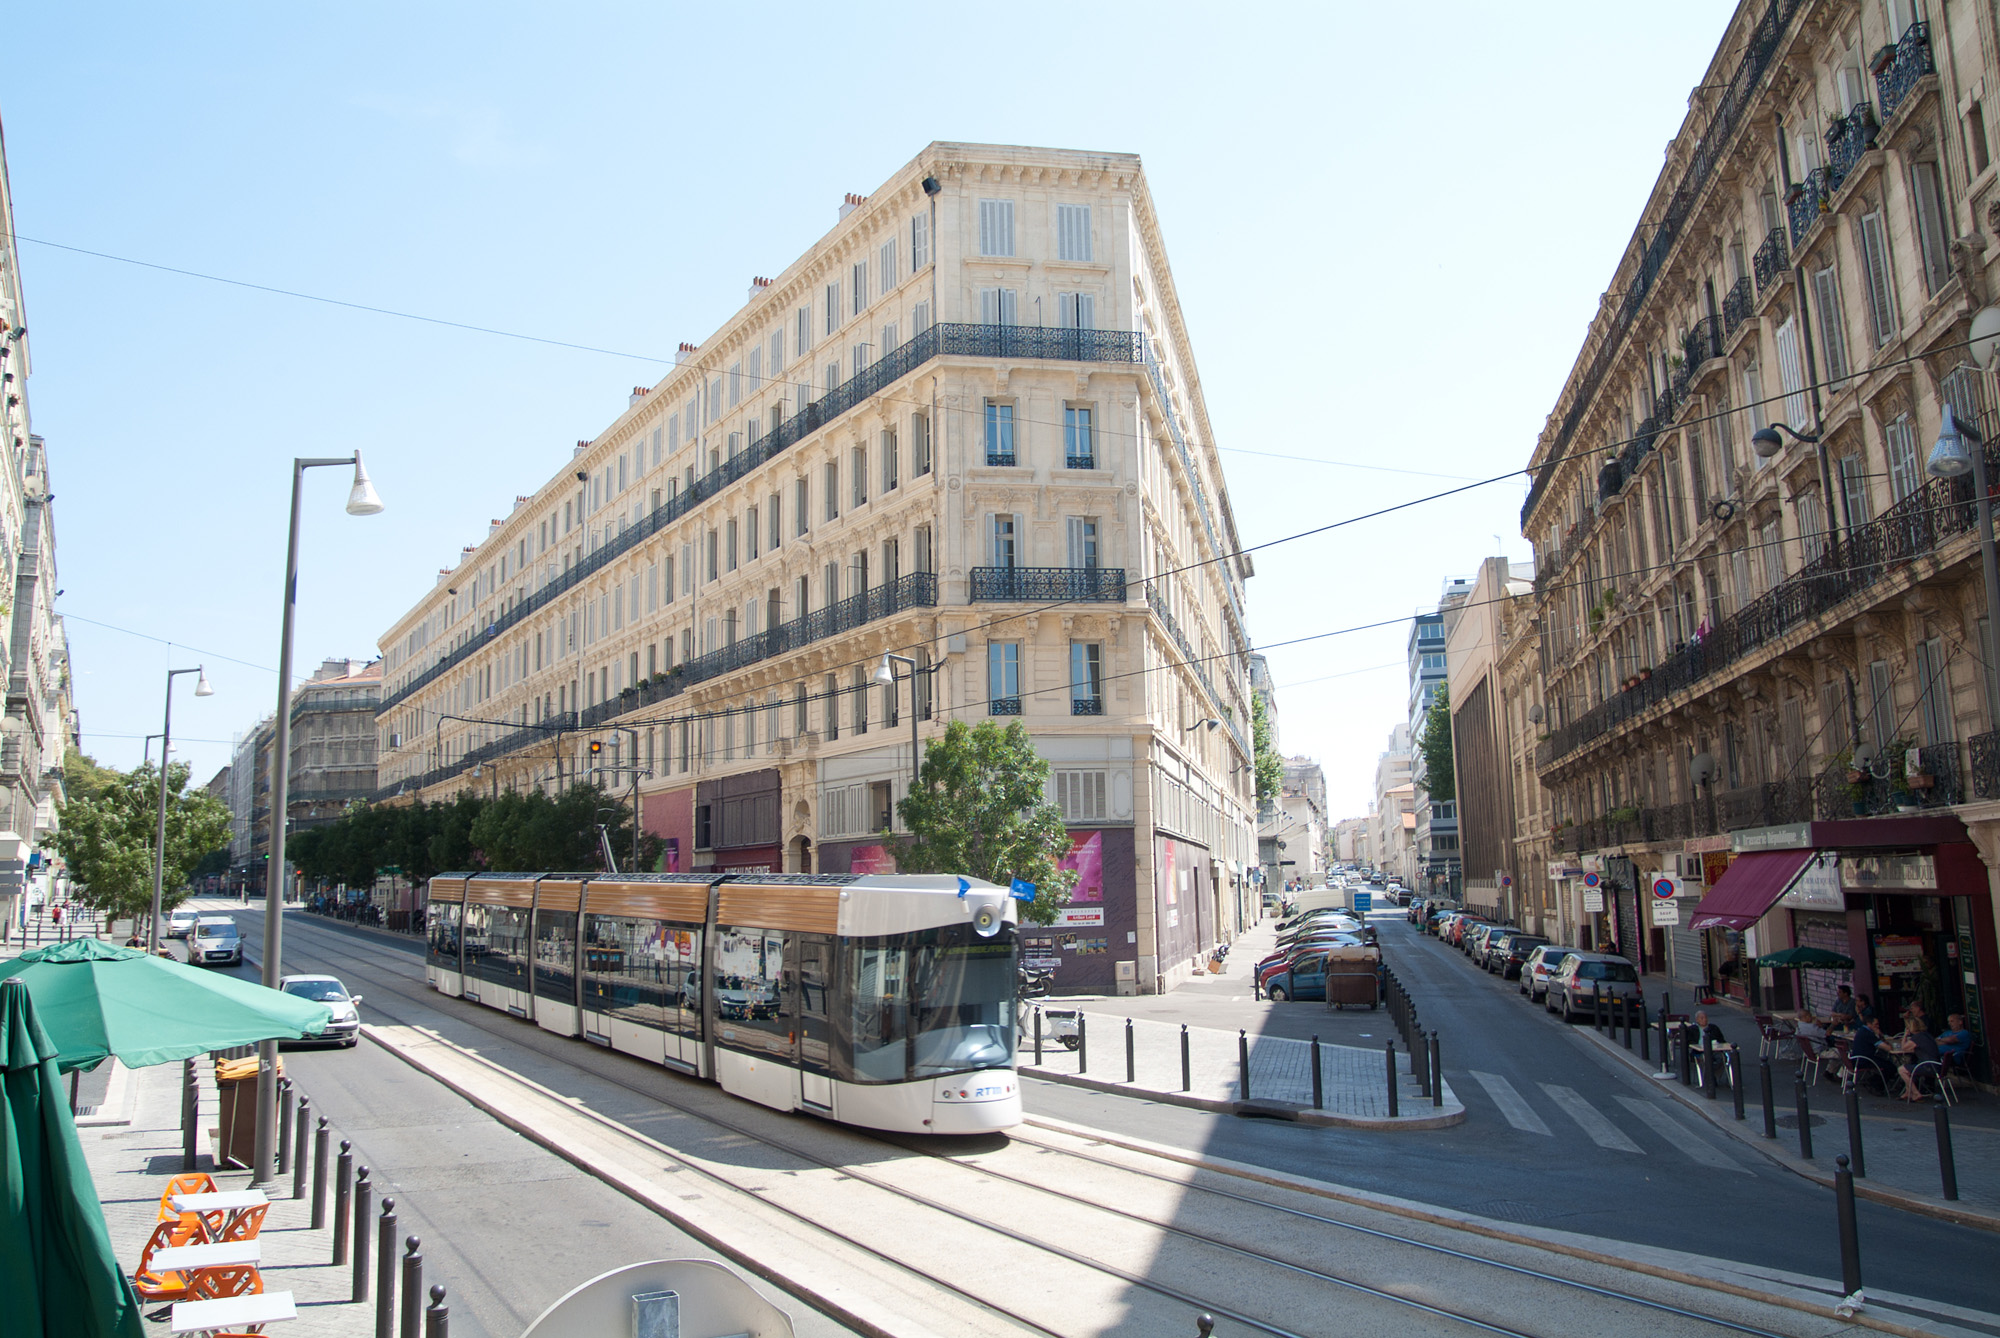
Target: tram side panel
[(557, 905), (442, 945), (641, 947), (497, 946)]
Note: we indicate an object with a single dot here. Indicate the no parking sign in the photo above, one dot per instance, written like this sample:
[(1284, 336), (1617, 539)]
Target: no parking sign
[(1593, 892), (1666, 911)]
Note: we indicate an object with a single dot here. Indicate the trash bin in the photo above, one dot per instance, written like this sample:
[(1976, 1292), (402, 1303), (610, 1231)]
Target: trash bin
[(236, 1086)]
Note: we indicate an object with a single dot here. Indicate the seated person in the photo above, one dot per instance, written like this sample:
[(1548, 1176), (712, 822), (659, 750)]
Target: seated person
[(1865, 1046), (1842, 1014), (1704, 1031), (1864, 1011), (1809, 1027), (1914, 1047), (1955, 1041)]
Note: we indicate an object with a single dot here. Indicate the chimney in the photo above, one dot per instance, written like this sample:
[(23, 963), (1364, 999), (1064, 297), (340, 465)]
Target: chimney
[(758, 286), (520, 500), (638, 393), (683, 353), (851, 203), (581, 447)]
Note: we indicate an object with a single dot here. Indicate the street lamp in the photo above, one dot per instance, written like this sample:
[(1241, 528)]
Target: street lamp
[(885, 674), (361, 501), (201, 689), (1959, 449)]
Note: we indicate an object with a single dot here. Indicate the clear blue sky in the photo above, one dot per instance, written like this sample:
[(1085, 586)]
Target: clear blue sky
[(1389, 236)]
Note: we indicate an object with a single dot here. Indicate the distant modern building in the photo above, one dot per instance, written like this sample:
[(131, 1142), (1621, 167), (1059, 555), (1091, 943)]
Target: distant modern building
[(250, 806), (1435, 835), (1389, 840)]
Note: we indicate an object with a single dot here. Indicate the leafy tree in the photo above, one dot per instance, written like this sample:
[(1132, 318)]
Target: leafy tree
[(214, 862), (1270, 766), (1439, 781), (981, 809), (106, 837), (83, 778)]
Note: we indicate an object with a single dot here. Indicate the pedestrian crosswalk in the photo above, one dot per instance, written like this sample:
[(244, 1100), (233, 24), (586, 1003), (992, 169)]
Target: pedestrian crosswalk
[(1662, 1131)]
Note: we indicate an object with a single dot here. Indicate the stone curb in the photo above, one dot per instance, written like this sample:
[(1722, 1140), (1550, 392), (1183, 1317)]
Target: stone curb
[(1895, 1198), (1290, 1111)]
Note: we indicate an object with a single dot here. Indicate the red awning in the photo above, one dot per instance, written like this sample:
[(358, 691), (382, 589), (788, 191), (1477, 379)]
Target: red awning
[(1750, 887)]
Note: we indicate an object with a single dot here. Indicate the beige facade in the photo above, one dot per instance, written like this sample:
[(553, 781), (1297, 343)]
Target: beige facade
[(1723, 624), (1393, 819), (965, 427), (332, 741)]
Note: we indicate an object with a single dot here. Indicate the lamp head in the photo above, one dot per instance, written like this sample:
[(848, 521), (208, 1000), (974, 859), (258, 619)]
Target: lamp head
[(1950, 457), (1701, 768), (361, 498), (1766, 441), (201, 687), (885, 673)]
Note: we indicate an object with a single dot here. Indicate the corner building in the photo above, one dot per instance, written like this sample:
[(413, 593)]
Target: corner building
[(965, 427), (1765, 716)]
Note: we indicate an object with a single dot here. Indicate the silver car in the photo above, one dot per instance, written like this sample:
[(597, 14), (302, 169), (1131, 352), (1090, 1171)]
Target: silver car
[(345, 1027), (214, 942), (1584, 975)]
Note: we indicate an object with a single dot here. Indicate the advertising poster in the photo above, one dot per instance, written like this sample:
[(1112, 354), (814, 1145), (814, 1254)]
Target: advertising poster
[(1086, 856), (1080, 915), (872, 859)]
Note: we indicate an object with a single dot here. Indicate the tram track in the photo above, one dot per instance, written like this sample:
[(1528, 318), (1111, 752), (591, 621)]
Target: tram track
[(1403, 1289)]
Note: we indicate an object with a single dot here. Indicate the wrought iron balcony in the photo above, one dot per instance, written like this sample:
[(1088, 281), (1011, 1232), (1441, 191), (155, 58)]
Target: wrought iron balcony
[(1898, 68), (1985, 749), (1079, 462), (1004, 706), (1091, 584), (1737, 305), (1703, 342), (1004, 459), (1086, 706), (1847, 139), (1939, 782), (1772, 260), (1807, 200)]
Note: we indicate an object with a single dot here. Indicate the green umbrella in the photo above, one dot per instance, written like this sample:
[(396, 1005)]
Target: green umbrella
[(1807, 959), (97, 999), (58, 1275)]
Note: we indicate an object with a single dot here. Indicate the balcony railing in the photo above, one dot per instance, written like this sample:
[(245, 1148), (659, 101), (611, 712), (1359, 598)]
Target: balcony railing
[(1737, 305), (1940, 782), (1939, 510), (1807, 200), (1703, 342), (941, 340), (1771, 262), (1091, 584), (1899, 67), (1086, 706), (1001, 459), (1847, 139), (1004, 706), (1079, 462), (1985, 750)]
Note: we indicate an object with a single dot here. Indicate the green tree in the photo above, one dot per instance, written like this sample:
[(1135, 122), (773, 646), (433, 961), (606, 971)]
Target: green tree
[(83, 777), (981, 809), (1270, 766), (1434, 746), (106, 838)]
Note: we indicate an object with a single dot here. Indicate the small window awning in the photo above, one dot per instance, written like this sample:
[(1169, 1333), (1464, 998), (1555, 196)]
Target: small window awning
[(1750, 887)]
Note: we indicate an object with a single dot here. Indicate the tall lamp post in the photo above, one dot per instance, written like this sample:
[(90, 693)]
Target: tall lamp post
[(1959, 449), (201, 689), (885, 674), (361, 501)]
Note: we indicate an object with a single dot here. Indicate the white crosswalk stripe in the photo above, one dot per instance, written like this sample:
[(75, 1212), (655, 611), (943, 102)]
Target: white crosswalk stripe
[(1680, 1137), (1602, 1132), (1512, 1104)]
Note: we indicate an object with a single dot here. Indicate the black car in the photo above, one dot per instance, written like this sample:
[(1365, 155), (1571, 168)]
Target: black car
[(1517, 949)]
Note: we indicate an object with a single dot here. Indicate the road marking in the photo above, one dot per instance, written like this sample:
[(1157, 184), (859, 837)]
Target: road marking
[(1680, 1136), (1518, 1112), (1602, 1132)]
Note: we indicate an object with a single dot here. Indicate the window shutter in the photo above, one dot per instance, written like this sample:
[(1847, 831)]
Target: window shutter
[(1832, 329), (1007, 297), (1020, 539), (989, 306), (1076, 552), (1791, 376), (1086, 311), (1930, 225), (992, 540), (1875, 260), (1066, 310)]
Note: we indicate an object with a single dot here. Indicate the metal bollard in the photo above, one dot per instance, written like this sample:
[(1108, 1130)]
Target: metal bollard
[(1319, 1080), (1437, 1073), (320, 1138), (413, 1286), (1708, 1067), (1645, 1034), (190, 1116), (1687, 1056), (1038, 1035), (1131, 1062), (1389, 1049), (437, 1316), (1736, 1082), (1204, 1325), (1947, 1167), (1596, 1009), (1625, 1018), (1666, 1043), (1082, 1044), (1850, 1240), (1852, 1092), (1187, 1069), (363, 1192), (1805, 1113), (1764, 1083), (343, 1190), (284, 1124), (1243, 1064), (385, 1271), (299, 1151)]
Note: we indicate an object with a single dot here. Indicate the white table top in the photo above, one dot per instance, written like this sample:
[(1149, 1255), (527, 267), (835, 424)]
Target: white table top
[(215, 1255), (226, 1200), (230, 1311)]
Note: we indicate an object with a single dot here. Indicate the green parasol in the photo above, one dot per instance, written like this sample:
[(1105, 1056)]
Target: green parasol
[(97, 999), (1807, 959), (58, 1275)]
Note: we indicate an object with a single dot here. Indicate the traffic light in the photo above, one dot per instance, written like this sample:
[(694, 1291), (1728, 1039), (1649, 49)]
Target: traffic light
[(596, 748)]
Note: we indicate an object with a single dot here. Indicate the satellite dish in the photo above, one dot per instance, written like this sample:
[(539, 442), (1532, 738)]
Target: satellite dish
[(1985, 336)]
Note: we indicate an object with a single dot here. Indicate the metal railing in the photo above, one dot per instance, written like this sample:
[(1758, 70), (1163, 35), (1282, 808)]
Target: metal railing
[(1847, 139), (1093, 584), (1001, 459), (1772, 261), (1807, 200), (1003, 706), (1738, 304), (1194, 662), (1086, 706), (941, 340), (1079, 462), (1985, 751), (1896, 77)]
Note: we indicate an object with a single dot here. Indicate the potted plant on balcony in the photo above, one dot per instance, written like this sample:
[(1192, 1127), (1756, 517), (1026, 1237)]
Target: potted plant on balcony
[(1882, 59), (1645, 672)]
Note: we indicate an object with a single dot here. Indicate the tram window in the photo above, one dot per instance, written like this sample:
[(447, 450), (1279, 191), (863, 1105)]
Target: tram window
[(477, 943), (555, 956), (881, 1012), (933, 1002), (443, 934), (753, 1005), (505, 961), (630, 969)]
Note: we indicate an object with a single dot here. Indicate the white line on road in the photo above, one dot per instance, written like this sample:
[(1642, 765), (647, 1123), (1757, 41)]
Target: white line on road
[(1681, 1137), (1518, 1112), (1602, 1132)]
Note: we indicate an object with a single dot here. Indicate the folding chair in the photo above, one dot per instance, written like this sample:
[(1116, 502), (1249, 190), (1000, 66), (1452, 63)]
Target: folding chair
[(195, 1182), (246, 1224), (210, 1284), (169, 1285), (1938, 1073)]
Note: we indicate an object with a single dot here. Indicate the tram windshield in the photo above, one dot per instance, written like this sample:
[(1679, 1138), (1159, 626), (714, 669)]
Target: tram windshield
[(933, 1002)]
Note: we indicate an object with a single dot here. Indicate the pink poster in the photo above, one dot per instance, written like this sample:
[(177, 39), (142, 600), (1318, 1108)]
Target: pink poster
[(1168, 870), (872, 859), (1086, 856)]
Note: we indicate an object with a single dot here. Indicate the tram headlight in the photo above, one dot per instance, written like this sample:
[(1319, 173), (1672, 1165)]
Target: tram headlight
[(986, 921)]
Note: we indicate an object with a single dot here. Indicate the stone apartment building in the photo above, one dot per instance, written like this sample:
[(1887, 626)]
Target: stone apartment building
[(1393, 821), (1761, 620), (1434, 835), (333, 741), (966, 427)]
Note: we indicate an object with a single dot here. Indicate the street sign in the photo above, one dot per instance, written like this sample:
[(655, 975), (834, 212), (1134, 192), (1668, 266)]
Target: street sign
[(1362, 902), (1665, 888), (1666, 912), (1593, 899), (1591, 881)]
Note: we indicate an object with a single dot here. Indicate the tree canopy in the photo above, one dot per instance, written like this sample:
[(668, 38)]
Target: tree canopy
[(107, 825), (981, 809), (1270, 766), (1439, 781)]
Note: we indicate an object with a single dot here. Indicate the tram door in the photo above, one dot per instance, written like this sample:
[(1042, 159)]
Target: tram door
[(815, 1058)]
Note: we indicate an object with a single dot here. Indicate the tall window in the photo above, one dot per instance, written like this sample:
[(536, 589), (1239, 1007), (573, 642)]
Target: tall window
[(1928, 200), (1791, 373), (998, 306), (830, 709), (774, 514), (1880, 281), (1003, 678), (920, 444), (1900, 439), (730, 531), (859, 275), (889, 461), (801, 516), (1083, 542), (1832, 329), (802, 329), (1079, 441), (1086, 678), (832, 307), (1076, 311), (860, 475), (1934, 701), (713, 542), (920, 242), (1812, 526), (996, 227), (752, 535), (999, 433), (861, 699), (1854, 489), (1001, 540), (833, 490), (923, 548), (1073, 232), (889, 271)]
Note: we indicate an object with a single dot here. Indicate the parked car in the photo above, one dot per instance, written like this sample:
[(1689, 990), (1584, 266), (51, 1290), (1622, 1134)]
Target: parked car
[(345, 1028), (214, 942), (1484, 945), (1305, 977), (1512, 954), (1542, 963), (1290, 951), (1586, 974), (1462, 926), (180, 921)]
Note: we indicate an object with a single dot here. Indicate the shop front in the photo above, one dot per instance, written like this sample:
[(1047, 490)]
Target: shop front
[(1093, 945)]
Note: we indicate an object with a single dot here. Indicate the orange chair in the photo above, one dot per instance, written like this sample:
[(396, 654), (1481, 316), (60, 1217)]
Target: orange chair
[(169, 1285), (246, 1224), (210, 1284), (197, 1182)]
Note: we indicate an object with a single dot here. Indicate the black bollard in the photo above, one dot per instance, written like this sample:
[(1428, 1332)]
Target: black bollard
[(343, 1190), (413, 1286), (1437, 1073), (1852, 1093), (363, 1210), (1082, 1044), (1187, 1069), (299, 1151), (284, 1123), (320, 1138), (1420, 1055), (1319, 1081), (1805, 1114), (1708, 1066), (1764, 1084), (1390, 1050), (437, 1316), (1243, 1064), (1131, 1060), (1850, 1241), (1596, 1009), (1204, 1325), (1038, 1035), (190, 1116), (1687, 1055), (385, 1271), (1625, 1018), (1947, 1167), (1666, 1042), (1736, 1082)]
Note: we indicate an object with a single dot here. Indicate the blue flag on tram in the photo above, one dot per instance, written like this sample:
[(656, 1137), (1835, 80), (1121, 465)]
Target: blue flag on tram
[(1023, 891), (963, 888)]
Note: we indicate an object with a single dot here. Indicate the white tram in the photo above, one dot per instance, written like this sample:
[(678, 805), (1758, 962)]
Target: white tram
[(886, 1001)]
